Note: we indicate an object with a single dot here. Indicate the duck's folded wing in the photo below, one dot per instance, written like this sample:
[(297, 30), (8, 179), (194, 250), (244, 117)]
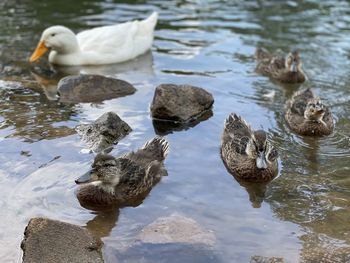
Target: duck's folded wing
[(130, 172), (107, 39), (277, 63), (299, 101), (237, 132)]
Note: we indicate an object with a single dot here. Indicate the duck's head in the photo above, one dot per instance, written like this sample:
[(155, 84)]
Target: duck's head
[(315, 110), (105, 173), (58, 38), (259, 148), (293, 62)]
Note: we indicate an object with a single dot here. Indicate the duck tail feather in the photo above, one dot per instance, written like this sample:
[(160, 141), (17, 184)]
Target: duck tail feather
[(159, 145), (152, 19), (234, 121), (261, 53)]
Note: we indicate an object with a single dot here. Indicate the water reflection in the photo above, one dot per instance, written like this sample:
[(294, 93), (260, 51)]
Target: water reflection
[(162, 127), (48, 77), (103, 223), (256, 192), (32, 116)]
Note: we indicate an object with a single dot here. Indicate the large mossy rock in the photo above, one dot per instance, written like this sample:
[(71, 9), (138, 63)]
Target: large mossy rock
[(47, 240), (180, 103), (92, 88), (104, 132)]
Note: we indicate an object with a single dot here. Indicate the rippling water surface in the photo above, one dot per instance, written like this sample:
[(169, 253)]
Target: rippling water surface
[(302, 216)]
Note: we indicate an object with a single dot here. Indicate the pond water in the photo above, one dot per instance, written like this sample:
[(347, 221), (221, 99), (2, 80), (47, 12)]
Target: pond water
[(302, 216)]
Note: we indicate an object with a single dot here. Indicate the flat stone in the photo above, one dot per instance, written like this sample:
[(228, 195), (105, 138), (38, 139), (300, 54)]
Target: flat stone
[(104, 132), (180, 103), (260, 259), (47, 240), (172, 239), (92, 88), (176, 229)]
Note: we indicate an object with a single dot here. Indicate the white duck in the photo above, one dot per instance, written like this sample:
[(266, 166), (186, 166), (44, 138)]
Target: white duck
[(100, 45)]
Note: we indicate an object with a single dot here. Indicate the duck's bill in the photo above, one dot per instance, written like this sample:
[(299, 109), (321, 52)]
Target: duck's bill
[(261, 162), (85, 178), (294, 67), (40, 50)]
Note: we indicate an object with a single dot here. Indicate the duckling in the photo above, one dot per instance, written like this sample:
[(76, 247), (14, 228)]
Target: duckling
[(287, 70), (307, 115), (120, 181), (247, 154)]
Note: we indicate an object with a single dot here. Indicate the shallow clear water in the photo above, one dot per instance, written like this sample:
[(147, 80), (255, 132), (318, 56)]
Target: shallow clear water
[(302, 216)]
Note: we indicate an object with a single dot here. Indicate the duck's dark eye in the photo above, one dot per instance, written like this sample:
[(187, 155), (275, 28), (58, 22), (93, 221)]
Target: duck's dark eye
[(53, 34)]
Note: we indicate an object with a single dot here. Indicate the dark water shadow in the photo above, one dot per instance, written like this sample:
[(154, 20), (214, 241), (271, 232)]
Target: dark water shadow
[(164, 127)]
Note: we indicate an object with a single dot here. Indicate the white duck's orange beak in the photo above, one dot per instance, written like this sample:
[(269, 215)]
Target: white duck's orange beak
[(40, 50)]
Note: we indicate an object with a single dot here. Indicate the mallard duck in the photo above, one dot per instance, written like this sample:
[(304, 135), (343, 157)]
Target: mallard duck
[(286, 70), (307, 115), (247, 154), (119, 181), (100, 45)]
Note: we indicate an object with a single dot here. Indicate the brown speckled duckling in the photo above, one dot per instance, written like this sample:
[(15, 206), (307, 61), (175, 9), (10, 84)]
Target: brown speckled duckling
[(247, 154), (287, 70), (306, 114), (118, 181)]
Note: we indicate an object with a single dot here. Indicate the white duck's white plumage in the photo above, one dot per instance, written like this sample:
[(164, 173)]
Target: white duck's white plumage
[(100, 45)]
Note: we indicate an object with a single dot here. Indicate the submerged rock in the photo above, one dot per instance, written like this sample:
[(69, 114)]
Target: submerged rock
[(92, 88), (172, 239), (47, 240), (176, 229), (260, 259), (180, 103), (104, 132)]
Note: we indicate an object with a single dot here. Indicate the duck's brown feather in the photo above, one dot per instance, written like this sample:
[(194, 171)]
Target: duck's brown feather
[(294, 115), (236, 135), (274, 67)]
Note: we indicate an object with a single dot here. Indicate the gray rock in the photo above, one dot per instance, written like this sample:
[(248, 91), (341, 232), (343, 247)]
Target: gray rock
[(92, 88), (180, 103), (176, 229), (47, 240), (260, 259), (104, 132), (172, 239)]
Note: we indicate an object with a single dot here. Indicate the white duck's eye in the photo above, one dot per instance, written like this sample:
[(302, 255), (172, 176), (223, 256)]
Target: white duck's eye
[(53, 34)]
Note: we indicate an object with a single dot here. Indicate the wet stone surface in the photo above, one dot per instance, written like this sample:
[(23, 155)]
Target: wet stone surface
[(180, 103), (92, 88), (47, 240), (104, 132)]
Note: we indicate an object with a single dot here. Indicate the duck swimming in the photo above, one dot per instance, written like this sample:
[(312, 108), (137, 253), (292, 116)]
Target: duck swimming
[(307, 115), (247, 154), (97, 46), (119, 181), (287, 70)]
